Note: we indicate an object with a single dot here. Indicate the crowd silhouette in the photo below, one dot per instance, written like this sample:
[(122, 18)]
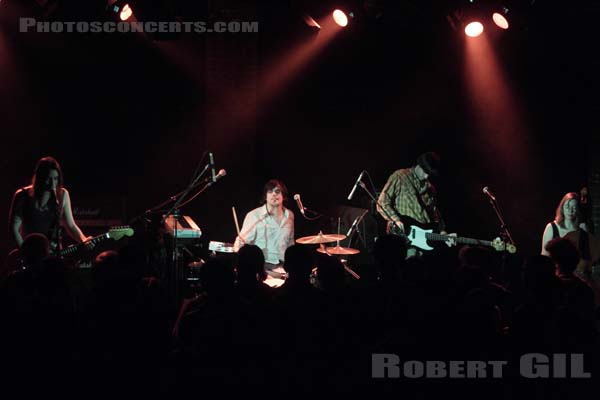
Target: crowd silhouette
[(114, 327)]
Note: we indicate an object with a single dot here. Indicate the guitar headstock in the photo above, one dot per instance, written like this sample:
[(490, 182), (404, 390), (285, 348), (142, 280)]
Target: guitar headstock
[(118, 232), (499, 245)]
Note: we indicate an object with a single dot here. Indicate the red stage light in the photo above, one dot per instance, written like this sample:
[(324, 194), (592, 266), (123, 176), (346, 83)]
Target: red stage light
[(474, 29), (500, 20), (126, 12), (340, 18)]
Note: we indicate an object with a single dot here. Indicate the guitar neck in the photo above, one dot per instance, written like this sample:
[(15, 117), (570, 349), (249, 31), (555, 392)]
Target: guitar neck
[(77, 247), (438, 237)]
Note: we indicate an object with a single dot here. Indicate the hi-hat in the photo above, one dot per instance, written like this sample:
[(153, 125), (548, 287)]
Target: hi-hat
[(338, 250), (320, 238)]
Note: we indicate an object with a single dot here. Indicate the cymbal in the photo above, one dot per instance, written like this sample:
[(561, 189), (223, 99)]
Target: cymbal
[(338, 250), (320, 238)]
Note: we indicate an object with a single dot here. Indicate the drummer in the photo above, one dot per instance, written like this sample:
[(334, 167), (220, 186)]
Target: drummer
[(270, 227)]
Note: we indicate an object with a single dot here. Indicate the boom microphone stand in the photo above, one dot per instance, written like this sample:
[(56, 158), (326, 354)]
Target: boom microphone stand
[(362, 185), (173, 212), (504, 232)]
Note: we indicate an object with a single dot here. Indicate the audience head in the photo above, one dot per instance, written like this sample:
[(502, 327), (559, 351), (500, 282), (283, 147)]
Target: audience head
[(330, 272), (389, 253), (34, 249), (251, 264), (106, 266), (538, 272), (298, 262), (217, 277), (564, 254)]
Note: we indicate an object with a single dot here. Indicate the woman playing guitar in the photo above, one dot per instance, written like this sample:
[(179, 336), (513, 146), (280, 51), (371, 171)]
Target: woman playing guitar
[(43, 206)]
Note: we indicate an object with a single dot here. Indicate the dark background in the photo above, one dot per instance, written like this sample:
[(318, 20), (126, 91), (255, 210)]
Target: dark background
[(129, 117)]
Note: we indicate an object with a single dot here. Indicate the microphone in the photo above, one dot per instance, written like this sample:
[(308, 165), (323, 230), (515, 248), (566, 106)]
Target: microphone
[(212, 167), (355, 185), (489, 194), (299, 202), (221, 174), (356, 221), (352, 226)]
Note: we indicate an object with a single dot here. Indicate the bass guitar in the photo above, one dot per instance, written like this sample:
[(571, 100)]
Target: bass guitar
[(420, 236)]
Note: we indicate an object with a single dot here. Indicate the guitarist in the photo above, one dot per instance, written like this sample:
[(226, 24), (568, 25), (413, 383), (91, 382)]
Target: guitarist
[(409, 195), (43, 207)]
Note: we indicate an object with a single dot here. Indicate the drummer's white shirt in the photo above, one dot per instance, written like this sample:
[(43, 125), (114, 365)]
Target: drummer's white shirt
[(262, 229)]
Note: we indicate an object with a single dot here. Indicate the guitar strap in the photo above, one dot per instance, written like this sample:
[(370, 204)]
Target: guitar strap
[(554, 230)]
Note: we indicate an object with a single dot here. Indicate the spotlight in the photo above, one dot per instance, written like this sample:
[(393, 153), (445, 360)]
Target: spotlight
[(468, 18), (340, 17), (119, 9), (126, 13), (474, 29), (310, 21), (500, 18)]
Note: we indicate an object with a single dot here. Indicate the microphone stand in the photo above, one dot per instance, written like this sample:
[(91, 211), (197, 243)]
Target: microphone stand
[(504, 234), (178, 198), (362, 185), (356, 229), (317, 215), (193, 184)]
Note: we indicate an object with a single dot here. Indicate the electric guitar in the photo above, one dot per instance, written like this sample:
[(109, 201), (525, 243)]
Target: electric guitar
[(116, 233), (15, 260), (419, 237)]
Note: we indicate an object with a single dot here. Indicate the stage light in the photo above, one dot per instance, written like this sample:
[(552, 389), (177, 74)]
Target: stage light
[(500, 18), (468, 17), (119, 10), (474, 29), (310, 21), (340, 17), (126, 13)]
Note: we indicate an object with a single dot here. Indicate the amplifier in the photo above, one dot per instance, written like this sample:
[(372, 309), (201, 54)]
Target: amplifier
[(96, 214)]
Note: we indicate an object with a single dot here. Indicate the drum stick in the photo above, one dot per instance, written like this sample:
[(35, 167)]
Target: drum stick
[(237, 225)]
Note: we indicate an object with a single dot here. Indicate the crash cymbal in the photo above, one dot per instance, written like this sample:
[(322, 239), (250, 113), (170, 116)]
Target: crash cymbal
[(320, 238), (338, 250)]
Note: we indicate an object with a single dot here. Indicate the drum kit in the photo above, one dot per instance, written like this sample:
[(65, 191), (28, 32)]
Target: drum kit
[(224, 249)]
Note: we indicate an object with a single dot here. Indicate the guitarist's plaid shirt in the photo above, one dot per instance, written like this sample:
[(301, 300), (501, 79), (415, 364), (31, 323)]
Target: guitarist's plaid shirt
[(405, 195)]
